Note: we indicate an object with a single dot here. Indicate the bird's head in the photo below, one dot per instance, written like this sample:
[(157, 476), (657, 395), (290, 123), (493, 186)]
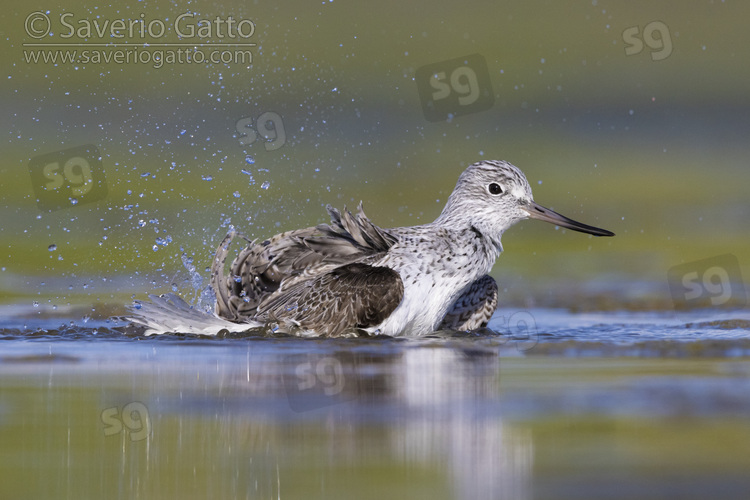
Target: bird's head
[(493, 195)]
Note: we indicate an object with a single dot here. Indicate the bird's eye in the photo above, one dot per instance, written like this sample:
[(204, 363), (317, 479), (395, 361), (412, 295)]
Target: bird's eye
[(495, 188)]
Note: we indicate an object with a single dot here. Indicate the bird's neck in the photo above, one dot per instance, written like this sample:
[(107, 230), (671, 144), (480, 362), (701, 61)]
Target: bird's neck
[(471, 236)]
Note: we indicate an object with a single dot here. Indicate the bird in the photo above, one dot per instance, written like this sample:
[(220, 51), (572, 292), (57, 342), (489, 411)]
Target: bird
[(352, 275)]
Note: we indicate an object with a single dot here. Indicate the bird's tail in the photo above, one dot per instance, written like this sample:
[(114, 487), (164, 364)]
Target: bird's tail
[(168, 313)]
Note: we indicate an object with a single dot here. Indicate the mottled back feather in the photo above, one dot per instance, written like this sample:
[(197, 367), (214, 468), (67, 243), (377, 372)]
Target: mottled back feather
[(272, 266)]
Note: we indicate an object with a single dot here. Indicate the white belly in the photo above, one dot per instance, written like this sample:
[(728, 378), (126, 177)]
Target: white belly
[(432, 283), (426, 302)]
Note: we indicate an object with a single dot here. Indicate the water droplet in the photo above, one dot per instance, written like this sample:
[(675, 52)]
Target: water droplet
[(265, 185), (35, 303), (164, 241), (250, 160), (236, 194), (74, 201), (207, 178), (250, 174), (52, 247)]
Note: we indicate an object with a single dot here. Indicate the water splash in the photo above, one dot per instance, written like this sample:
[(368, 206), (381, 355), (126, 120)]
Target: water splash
[(205, 294)]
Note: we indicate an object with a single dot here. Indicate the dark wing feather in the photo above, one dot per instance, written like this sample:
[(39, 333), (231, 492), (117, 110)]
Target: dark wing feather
[(218, 282), (261, 268), (350, 235), (351, 296), (474, 308), (256, 272)]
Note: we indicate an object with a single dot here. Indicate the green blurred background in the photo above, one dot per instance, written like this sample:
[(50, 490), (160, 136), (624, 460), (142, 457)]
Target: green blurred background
[(652, 145)]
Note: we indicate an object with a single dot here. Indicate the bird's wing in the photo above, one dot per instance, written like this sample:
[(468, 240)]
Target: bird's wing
[(351, 296), (474, 308), (260, 269)]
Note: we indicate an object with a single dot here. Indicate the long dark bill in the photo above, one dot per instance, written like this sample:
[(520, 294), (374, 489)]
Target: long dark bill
[(538, 212)]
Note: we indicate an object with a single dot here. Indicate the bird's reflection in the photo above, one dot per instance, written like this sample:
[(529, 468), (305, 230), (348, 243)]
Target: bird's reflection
[(431, 405)]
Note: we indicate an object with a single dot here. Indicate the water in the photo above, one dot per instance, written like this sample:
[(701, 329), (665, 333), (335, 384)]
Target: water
[(558, 405)]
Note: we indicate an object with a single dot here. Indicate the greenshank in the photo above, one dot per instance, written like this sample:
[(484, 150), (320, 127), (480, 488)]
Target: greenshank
[(406, 281)]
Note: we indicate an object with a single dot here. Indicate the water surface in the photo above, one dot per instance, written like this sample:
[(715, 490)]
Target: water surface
[(558, 405)]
